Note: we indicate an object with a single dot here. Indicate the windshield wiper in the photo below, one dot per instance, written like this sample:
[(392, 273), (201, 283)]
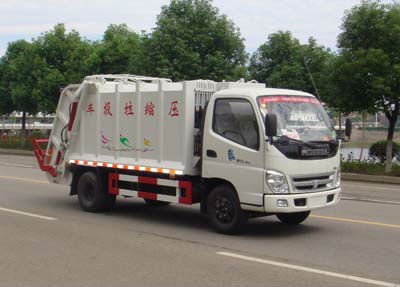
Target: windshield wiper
[(286, 139), (323, 142)]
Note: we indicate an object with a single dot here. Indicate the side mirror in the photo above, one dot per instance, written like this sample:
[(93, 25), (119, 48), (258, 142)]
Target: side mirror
[(348, 127), (271, 126)]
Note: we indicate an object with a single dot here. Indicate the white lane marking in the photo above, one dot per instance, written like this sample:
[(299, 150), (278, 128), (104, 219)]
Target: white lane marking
[(371, 187), (27, 214), (310, 270), (17, 165), (350, 220)]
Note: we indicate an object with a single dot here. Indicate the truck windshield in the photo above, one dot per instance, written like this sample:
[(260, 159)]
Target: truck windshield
[(300, 118)]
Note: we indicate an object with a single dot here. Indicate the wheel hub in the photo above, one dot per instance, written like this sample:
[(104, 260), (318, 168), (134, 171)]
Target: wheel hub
[(89, 193), (223, 209)]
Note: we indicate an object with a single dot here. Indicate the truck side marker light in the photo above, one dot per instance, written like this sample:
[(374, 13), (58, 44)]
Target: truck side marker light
[(127, 167)]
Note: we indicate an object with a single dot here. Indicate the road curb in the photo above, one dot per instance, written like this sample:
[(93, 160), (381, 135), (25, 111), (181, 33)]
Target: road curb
[(16, 152), (371, 178)]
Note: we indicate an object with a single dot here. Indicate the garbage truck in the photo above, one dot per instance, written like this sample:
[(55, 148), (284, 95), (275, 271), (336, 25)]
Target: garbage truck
[(239, 149)]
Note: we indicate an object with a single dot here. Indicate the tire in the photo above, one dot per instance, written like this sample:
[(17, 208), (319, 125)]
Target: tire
[(92, 195), (152, 202), (293, 218), (224, 212)]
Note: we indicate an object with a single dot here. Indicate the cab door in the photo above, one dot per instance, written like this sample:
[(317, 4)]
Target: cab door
[(233, 147)]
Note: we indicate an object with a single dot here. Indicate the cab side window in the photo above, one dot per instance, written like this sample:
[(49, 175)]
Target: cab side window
[(235, 120)]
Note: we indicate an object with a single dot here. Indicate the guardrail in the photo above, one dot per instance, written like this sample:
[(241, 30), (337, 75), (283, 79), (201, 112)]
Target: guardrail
[(35, 126)]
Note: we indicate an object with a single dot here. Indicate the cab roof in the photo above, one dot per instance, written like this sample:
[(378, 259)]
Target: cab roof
[(256, 92)]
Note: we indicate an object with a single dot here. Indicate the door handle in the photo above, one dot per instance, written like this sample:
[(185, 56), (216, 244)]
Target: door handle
[(211, 153)]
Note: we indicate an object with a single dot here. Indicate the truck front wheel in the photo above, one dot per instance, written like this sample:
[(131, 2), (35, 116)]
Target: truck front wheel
[(92, 194), (293, 218), (224, 211)]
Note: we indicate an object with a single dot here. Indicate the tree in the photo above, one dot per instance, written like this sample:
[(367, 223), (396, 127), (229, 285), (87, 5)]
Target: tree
[(193, 40), (68, 59), (120, 51), (6, 104), (22, 64), (368, 68), (283, 62)]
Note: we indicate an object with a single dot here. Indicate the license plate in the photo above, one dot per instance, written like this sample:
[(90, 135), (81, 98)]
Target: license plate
[(314, 152), (317, 201)]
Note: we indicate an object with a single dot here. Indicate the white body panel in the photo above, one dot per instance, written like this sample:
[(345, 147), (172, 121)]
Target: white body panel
[(132, 123), (300, 169), (313, 201), (248, 177), (246, 172)]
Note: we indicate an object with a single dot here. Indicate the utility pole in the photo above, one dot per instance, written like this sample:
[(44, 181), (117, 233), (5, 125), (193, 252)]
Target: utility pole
[(312, 79)]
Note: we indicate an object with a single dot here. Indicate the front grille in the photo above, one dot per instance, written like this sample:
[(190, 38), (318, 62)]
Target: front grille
[(314, 183)]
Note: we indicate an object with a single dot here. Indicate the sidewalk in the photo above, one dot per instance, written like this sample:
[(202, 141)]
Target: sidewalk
[(371, 192), (16, 152), (371, 178)]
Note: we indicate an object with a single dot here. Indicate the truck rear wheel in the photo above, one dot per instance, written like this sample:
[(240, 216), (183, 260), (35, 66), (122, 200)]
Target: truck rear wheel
[(152, 202), (224, 211), (92, 195), (293, 218)]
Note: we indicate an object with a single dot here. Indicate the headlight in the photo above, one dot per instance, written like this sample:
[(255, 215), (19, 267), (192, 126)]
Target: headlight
[(335, 179), (277, 182), (338, 177)]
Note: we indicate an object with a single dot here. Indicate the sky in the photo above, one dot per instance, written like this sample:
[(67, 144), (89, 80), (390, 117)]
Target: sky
[(256, 19)]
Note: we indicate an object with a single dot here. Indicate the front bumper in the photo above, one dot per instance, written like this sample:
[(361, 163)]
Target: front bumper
[(301, 202)]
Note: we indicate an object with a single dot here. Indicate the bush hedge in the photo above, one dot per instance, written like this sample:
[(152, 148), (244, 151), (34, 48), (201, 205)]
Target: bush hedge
[(368, 168), (378, 150), (14, 141)]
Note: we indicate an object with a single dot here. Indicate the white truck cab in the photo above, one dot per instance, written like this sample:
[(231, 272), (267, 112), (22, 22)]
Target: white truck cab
[(295, 170), (239, 149)]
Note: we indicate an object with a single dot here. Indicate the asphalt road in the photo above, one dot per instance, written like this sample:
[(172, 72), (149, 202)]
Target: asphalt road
[(46, 240)]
